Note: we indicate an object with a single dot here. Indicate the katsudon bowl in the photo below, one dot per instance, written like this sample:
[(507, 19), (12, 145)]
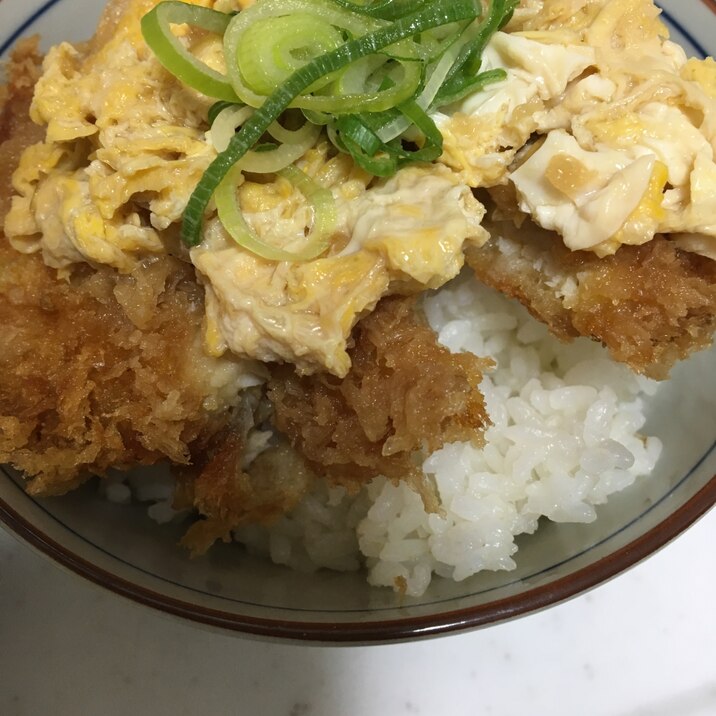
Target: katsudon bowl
[(118, 547)]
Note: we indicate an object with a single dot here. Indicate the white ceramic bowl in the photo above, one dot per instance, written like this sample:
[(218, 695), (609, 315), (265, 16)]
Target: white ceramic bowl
[(119, 548)]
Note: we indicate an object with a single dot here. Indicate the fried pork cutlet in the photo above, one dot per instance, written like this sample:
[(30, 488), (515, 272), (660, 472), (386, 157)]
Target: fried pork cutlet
[(404, 395), (226, 495), (650, 305), (103, 370)]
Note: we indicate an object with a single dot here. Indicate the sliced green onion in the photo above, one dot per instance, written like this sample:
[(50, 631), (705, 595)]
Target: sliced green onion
[(382, 165), (271, 49), (367, 149), (359, 133), (171, 53), (320, 199), (383, 9), (467, 65), (366, 73), (226, 122), (320, 118), (303, 78), (367, 137), (272, 42), (247, 62), (273, 161), (433, 146), (396, 123), (458, 91), (271, 158), (306, 132), (217, 108)]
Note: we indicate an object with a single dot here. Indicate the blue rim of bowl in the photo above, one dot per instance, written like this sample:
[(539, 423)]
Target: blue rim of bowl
[(20, 31), (364, 632)]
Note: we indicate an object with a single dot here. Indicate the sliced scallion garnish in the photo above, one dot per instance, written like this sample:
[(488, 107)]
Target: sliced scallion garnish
[(156, 29), (320, 200), (407, 26), (265, 44), (369, 71), (383, 9), (462, 79)]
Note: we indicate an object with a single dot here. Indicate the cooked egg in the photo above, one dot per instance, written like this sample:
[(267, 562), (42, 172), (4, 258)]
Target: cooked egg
[(123, 151), (586, 197), (637, 142), (403, 235), (483, 132)]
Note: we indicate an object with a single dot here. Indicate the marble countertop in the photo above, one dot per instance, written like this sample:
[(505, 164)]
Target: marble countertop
[(642, 645)]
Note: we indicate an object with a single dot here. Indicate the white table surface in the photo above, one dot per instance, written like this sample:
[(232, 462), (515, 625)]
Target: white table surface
[(642, 645)]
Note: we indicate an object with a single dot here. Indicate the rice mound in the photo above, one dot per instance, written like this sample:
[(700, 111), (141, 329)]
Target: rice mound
[(564, 436)]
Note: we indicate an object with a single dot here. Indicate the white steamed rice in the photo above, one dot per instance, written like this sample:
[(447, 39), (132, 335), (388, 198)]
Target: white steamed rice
[(565, 436)]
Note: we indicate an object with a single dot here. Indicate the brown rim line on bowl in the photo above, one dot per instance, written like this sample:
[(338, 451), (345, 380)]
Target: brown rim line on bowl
[(393, 630)]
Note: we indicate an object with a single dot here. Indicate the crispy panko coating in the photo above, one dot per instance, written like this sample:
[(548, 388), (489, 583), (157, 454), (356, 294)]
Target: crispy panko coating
[(650, 305), (102, 370), (16, 130), (404, 395), (226, 495)]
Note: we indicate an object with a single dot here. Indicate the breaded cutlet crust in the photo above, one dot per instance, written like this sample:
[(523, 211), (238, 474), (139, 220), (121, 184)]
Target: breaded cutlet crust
[(404, 397), (650, 305), (93, 371)]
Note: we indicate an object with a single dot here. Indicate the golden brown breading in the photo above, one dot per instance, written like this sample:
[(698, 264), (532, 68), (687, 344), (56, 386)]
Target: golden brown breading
[(102, 371), (650, 305), (16, 130), (82, 387), (227, 496), (404, 394)]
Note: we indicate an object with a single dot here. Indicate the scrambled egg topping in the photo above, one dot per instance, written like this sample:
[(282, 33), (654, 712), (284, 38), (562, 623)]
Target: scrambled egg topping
[(484, 132), (631, 144), (626, 126), (604, 128), (124, 149), (401, 236)]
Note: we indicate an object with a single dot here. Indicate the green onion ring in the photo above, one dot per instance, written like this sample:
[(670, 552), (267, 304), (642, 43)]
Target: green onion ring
[(320, 199), (157, 33)]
